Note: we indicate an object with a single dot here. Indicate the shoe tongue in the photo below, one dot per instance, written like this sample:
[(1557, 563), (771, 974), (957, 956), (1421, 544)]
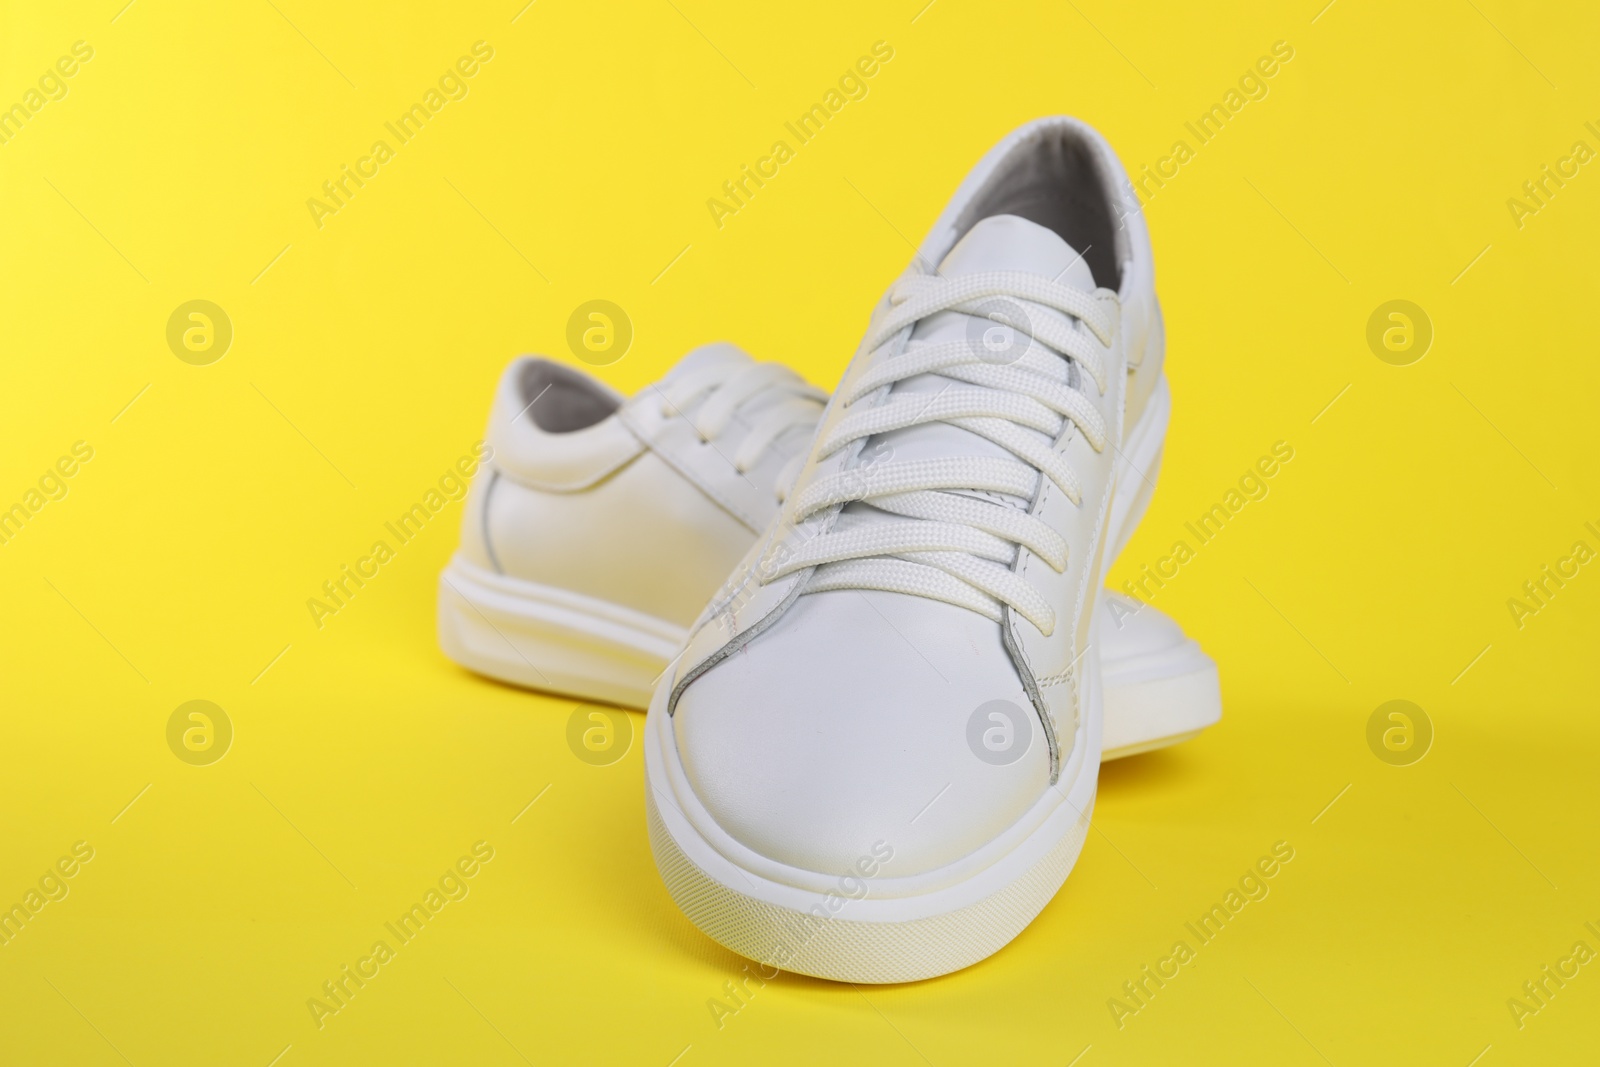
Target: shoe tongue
[(1010, 243), (997, 243)]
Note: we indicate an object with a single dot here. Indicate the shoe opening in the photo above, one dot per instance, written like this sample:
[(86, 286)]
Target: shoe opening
[(1057, 180), (561, 400)]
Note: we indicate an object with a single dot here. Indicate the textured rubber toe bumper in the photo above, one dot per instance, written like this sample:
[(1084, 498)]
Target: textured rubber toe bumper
[(825, 944), (857, 927)]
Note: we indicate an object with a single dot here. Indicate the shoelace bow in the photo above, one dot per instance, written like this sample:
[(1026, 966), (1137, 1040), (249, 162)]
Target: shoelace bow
[(768, 397), (935, 540)]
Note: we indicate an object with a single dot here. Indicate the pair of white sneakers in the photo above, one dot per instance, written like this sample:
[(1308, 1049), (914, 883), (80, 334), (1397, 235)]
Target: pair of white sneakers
[(880, 665)]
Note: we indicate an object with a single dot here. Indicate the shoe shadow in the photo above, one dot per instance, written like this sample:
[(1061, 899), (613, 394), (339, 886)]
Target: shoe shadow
[(1163, 769)]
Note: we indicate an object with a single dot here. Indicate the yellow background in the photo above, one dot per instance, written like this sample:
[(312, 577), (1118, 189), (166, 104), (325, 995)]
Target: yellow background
[(364, 763)]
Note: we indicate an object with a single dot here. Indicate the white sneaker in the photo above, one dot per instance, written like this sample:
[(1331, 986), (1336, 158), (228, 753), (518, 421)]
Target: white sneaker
[(876, 758), (552, 588), (600, 526)]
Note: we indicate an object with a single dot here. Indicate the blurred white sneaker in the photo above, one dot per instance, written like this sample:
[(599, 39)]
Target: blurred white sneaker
[(1160, 688), (876, 757), (601, 525), (599, 530)]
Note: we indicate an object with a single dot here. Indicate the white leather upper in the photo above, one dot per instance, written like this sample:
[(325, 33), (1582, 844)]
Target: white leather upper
[(636, 509), (812, 724)]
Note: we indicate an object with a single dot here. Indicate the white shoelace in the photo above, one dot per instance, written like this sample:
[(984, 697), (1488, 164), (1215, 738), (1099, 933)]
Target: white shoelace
[(934, 540), (767, 397)]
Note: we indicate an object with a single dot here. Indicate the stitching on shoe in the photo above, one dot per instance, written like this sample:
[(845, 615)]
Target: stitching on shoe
[(732, 645), (1056, 679), (1104, 510), (483, 521), (703, 484)]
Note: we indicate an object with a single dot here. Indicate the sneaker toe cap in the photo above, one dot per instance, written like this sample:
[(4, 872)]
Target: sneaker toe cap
[(832, 734)]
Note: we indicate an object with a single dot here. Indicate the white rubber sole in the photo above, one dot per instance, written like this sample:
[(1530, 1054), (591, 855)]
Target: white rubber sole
[(547, 638), (1138, 462), (843, 926), (1166, 697)]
